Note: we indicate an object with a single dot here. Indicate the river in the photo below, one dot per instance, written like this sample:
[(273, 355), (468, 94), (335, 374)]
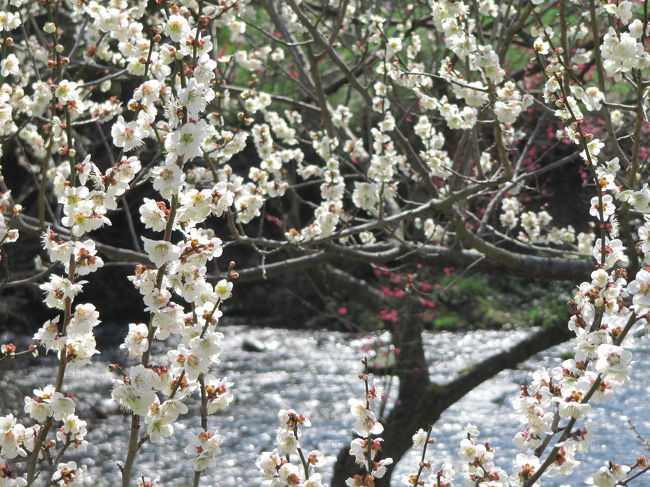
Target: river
[(315, 372)]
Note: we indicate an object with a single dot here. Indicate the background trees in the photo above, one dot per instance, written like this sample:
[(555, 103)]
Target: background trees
[(332, 139)]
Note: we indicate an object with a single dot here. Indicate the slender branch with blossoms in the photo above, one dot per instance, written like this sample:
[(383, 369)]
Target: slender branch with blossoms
[(366, 447), (422, 439), (277, 466)]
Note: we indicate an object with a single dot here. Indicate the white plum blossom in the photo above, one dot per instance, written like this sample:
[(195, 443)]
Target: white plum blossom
[(194, 97), (366, 422), (640, 290), (10, 66), (202, 448), (223, 289), (167, 179), (58, 289), (69, 475), (160, 252), (218, 393), (614, 362), (604, 205), (610, 475), (127, 135), (443, 161), (136, 394), (419, 438), (365, 196), (177, 28), (527, 465), (154, 214), (66, 91), (136, 342), (73, 431), (186, 142)]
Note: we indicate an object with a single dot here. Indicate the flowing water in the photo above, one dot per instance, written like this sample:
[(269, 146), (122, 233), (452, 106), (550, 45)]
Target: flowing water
[(315, 372)]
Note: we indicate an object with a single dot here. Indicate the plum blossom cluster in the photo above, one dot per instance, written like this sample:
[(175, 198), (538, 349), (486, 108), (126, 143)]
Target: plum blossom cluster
[(555, 406), (157, 387), (425, 475), (479, 467), (276, 465), (7, 211), (478, 458), (537, 227)]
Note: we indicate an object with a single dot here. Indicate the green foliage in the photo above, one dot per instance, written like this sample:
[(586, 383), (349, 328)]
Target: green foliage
[(449, 321), (474, 301)]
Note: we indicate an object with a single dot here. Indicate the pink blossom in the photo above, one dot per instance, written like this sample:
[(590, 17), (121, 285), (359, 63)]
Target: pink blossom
[(389, 315)]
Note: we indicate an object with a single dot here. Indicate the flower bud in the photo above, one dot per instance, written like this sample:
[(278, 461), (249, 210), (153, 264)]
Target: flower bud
[(49, 28)]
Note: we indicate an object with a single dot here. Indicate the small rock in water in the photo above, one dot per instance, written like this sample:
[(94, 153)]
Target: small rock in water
[(252, 345), (105, 408)]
